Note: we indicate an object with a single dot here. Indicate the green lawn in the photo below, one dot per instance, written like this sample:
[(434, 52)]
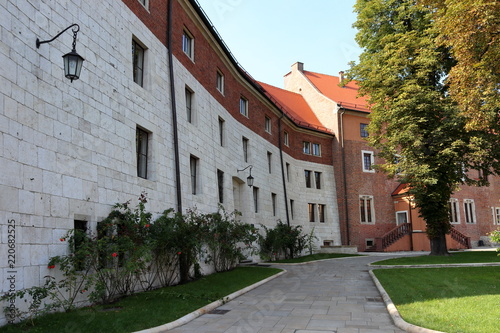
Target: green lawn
[(313, 257), (455, 258), (453, 300), (149, 309)]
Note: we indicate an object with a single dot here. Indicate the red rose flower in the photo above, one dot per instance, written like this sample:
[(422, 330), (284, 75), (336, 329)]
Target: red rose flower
[(62, 239), (147, 225), (114, 254), (52, 266), (179, 252)]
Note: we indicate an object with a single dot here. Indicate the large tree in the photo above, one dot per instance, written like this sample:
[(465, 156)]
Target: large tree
[(416, 126), (471, 30)]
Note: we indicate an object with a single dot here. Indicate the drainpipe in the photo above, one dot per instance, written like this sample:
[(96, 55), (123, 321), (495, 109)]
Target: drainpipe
[(346, 206), (411, 223), (283, 168), (174, 109)]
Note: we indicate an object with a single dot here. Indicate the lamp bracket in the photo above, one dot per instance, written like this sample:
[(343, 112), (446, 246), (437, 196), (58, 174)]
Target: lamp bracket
[(75, 31)]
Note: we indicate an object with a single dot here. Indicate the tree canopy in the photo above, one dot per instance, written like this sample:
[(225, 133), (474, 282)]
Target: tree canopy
[(418, 129)]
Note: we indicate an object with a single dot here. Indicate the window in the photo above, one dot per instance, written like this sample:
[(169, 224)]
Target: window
[(189, 104), (270, 161), (141, 141), (285, 138), (317, 179), (245, 149), (292, 210), (220, 82), (256, 199), (306, 147), (221, 131), (287, 167), (220, 184), (312, 215), (307, 174), (193, 164), (321, 213), (316, 149), (138, 62), (401, 217), (145, 3), (367, 161), (188, 44), (273, 201), (80, 229), (363, 131), (244, 107), (496, 215), (470, 211), (454, 211), (268, 124), (366, 209)]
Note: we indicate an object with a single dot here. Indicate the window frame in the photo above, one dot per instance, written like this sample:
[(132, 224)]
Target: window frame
[(292, 208), (220, 185), (496, 215), (321, 213), (219, 81), (307, 176), (267, 125), (138, 61), (365, 210), (189, 96), (453, 203), (317, 179), (142, 160), (188, 43), (362, 130), (470, 211), (311, 212), (245, 143), (364, 154), (273, 202), (316, 149), (286, 139), (255, 191), (244, 106), (306, 147), (194, 172), (401, 212), (270, 162), (222, 129)]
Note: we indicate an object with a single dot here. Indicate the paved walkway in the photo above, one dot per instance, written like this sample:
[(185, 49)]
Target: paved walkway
[(321, 297)]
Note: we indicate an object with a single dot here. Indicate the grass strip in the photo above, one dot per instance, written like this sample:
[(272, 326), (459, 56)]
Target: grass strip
[(314, 257), (453, 300), (148, 309), (455, 258)]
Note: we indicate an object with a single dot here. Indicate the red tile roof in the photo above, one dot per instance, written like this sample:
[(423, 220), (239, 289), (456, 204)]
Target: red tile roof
[(295, 107), (401, 189), (347, 96)]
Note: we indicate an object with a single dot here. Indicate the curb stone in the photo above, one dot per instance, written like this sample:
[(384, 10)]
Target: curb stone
[(207, 308)]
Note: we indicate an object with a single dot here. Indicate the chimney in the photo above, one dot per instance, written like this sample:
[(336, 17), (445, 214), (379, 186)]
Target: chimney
[(299, 66), (341, 76)]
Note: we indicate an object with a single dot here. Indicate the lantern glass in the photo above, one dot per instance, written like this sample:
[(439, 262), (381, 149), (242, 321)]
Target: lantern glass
[(250, 181), (72, 65)]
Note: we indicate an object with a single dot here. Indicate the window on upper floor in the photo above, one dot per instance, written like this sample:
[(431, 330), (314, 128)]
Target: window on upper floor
[(193, 165), (141, 141), (189, 104), (138, 62), (470, 211), (363, 132), (244, 142), (244, 106), (317, 179), (285, 138), (273, 201), (307, 174), (316, 149), (219, 83), (454, 211), (368, 161), (220, 185), (267, 124), (188, 44), (270, 161), (306, 147), (222, 124), (366, 209)]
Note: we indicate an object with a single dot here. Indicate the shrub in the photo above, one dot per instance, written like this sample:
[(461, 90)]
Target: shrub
[(495, 238), (283, 241)]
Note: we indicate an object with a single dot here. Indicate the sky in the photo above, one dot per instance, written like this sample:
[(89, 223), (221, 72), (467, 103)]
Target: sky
[(268, 36)]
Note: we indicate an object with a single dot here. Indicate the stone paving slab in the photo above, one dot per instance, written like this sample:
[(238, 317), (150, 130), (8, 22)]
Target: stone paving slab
[(320, 297)]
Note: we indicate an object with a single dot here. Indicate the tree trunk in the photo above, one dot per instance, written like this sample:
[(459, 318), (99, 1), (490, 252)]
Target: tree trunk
[(438, 246)]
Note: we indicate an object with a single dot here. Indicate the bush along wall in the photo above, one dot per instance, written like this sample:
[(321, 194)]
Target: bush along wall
[(129, 253)]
